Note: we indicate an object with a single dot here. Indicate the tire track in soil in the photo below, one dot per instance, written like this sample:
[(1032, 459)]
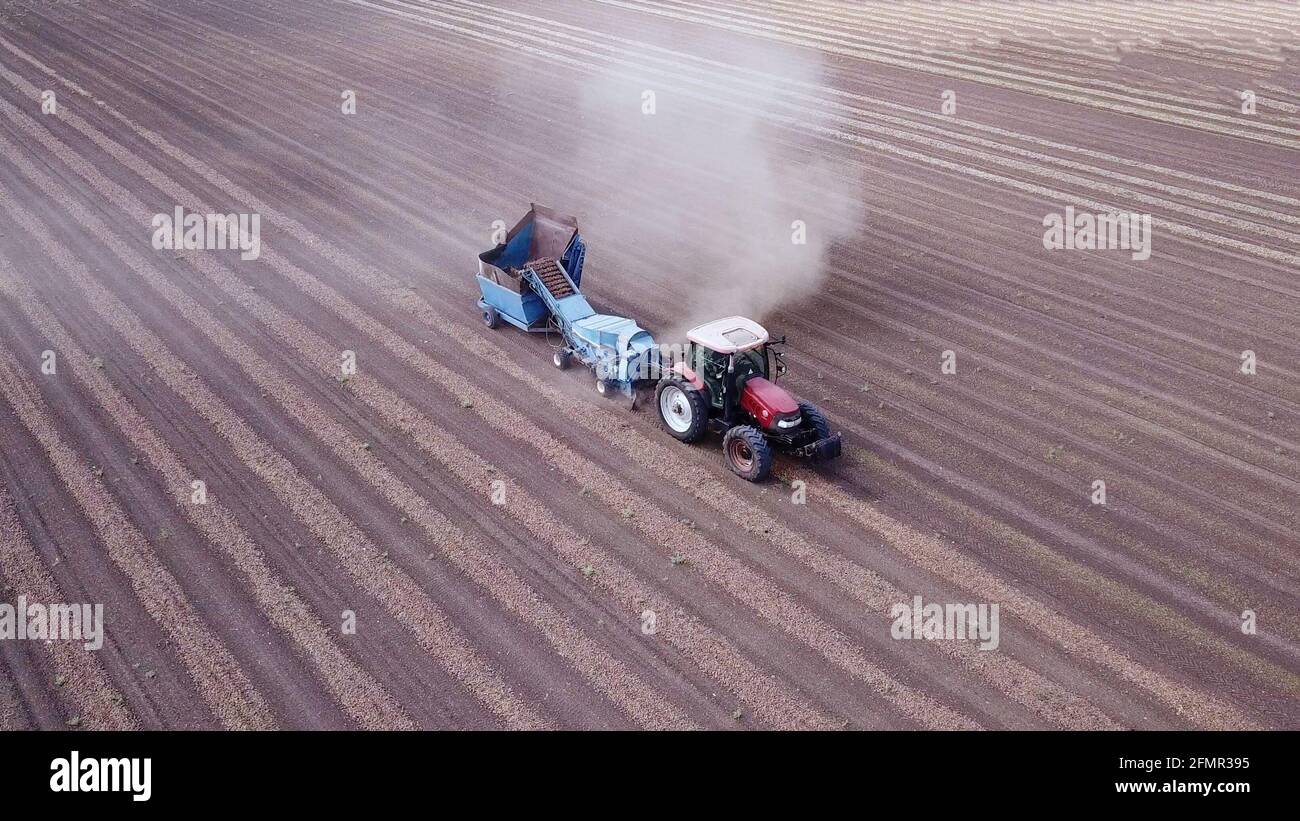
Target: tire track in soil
[(135, 645), (85, 685), (220, 682), (1206, 711), (893, 373), (1276, 702), (1039, 426), (1038, 694), (1270, 668), (381, 645), (361, 697), (13, 717), (936, 406), (405, 600)]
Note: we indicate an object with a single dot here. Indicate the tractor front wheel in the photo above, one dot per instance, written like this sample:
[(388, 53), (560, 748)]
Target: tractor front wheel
[(748, 453), (815, 419), (682, 409)]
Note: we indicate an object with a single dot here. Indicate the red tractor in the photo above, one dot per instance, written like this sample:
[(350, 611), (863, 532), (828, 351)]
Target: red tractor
[(726, 383)]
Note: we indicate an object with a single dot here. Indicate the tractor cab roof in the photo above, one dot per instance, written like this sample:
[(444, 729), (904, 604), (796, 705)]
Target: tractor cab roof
[(729, 335)]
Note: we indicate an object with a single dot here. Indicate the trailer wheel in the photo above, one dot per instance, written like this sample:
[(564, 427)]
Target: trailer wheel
[(681, 409), (814, 418), (491, 318), (602, 387), (748, 453), (561, 359)]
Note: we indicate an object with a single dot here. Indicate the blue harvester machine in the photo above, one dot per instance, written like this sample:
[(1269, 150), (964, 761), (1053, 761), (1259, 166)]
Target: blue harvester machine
[(726, 382), (531, 281)]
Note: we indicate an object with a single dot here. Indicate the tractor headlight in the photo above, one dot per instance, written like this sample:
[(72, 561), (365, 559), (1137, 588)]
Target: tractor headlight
[(787, 423)]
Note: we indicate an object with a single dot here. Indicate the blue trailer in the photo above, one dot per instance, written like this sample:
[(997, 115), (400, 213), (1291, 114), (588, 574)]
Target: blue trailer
[(532, 281)]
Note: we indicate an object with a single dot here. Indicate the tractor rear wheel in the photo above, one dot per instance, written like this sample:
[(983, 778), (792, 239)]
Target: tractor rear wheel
[(491, 318), (748, 453), (682, 409), (815, 419)]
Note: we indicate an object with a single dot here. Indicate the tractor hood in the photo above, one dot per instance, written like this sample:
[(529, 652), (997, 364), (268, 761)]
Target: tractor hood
[(768, 403)]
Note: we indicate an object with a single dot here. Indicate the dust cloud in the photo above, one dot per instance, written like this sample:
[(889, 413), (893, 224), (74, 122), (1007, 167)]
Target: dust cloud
[(721, 207)]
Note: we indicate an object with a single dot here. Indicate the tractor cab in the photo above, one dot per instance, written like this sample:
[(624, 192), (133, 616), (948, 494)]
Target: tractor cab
[(727, 384), (726, 353)]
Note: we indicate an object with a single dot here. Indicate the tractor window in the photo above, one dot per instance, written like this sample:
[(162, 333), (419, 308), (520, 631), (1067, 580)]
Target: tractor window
[(711, 367), (751, 363), (707, 362)]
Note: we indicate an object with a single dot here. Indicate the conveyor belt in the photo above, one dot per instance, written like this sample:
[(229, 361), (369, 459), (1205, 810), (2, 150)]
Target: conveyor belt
[(549, 273)]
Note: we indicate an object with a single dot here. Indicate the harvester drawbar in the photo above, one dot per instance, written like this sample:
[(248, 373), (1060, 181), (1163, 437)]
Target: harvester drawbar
[(724, 380)]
